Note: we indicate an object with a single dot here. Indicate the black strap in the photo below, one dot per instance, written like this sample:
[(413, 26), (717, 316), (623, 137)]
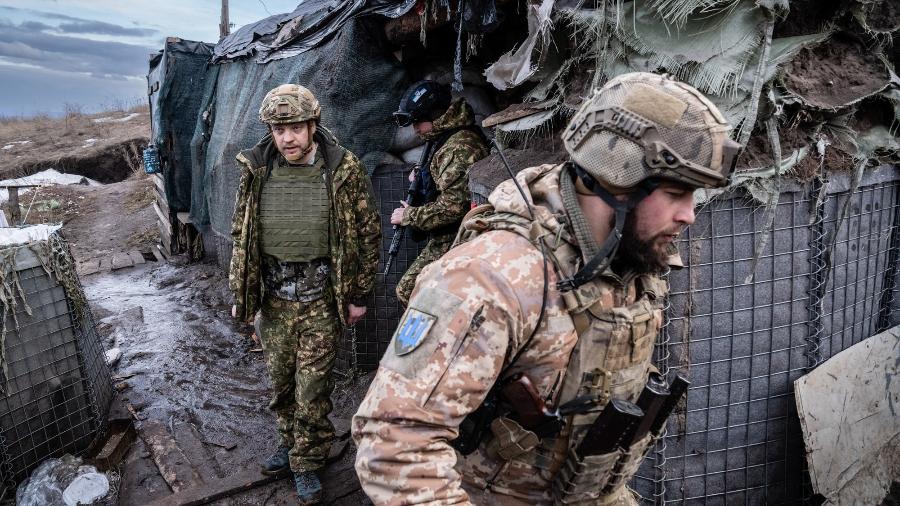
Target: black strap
[(593, 267)]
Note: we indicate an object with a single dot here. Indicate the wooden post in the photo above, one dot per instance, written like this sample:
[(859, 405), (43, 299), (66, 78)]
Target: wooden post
[(224, 28), (15, 215)]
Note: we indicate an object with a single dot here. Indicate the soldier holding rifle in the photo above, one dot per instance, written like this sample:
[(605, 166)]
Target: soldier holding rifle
[(557, 280), (440, 192)]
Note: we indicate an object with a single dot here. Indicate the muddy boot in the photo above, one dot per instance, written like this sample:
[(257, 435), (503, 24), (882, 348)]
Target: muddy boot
[(309, 488), (277, 463)]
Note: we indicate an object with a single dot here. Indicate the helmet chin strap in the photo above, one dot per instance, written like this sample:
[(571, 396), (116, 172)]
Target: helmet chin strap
[(593, 267)]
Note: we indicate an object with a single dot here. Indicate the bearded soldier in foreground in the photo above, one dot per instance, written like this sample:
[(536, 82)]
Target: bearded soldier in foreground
[(306, 236), (554, 285)]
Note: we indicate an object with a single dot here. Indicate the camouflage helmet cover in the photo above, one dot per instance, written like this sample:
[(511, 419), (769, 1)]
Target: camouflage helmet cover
[(642, 125), (289, 103)]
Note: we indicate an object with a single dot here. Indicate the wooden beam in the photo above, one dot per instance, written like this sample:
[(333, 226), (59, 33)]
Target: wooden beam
[(15, 214), (225, 487), (173, 464)]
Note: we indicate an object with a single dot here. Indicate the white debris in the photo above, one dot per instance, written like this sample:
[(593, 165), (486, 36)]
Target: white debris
[(113, 355), (107, 119), (13, 236), (13, 144), (86, 488), (89, 142), (47, 177)]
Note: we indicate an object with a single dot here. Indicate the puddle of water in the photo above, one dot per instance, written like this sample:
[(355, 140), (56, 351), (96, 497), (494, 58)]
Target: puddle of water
[(189, 363)]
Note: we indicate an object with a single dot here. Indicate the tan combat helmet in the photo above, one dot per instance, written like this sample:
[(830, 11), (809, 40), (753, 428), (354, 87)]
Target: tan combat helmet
[(289, 103), (643, 126)]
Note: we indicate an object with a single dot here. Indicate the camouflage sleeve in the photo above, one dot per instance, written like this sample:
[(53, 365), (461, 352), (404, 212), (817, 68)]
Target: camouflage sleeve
[(464, 316), (238, 219), (368, 229), (450, 169)]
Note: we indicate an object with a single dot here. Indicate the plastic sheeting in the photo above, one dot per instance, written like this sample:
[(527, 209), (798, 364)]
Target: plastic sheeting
[(175, 76), (308, 26), (357, 84)]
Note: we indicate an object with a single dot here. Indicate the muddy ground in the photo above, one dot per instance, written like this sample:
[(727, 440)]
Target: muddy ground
[(187, 366)]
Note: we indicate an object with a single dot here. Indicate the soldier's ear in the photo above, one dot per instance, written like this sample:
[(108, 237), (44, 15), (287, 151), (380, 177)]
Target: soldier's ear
[(311, 124)]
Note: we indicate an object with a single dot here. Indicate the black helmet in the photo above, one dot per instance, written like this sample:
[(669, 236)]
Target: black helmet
[(423, 101)]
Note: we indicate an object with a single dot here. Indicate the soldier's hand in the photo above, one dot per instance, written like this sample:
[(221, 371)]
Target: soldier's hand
[(412, 175), (355, 313), (397, 215)]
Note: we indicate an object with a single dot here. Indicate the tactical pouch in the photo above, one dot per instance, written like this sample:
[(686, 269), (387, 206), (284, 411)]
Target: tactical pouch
[(510, 439), (599, 480), (581, 480)]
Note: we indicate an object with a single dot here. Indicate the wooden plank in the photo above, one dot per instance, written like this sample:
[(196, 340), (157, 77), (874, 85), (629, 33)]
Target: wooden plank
[(202, 461), (160, 198), (163, 215), (105, 264), (89, 267), (159, 183), (120, 436), (157, 253), (218, 489), (136, 257), (121, 260), (162, 251), (15, 214), (184, 218), (173, 464)]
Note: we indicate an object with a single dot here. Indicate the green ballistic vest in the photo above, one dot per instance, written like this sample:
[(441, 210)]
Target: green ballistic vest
[(294, 212)]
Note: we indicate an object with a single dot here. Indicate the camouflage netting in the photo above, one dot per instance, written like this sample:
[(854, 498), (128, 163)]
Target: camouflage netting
[(816, 81), (55, 388)]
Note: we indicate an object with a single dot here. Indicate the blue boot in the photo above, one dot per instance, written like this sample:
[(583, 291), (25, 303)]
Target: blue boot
[(309, 488), (276, 463)]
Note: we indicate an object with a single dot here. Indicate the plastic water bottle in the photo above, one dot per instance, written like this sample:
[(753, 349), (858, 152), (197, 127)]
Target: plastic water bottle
[(151, 160)]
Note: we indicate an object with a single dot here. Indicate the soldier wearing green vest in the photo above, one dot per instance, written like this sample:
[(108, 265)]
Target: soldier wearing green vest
[(306, 237)]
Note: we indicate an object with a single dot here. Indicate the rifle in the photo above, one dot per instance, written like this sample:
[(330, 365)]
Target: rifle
[(400, 231), (517, 397)]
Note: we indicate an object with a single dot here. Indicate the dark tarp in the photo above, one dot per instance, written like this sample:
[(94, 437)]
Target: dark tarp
[(356, 81), (310, 24), (176, 75)]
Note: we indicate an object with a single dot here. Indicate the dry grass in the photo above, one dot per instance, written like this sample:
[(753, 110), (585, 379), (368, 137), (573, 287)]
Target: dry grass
[(31, 144)]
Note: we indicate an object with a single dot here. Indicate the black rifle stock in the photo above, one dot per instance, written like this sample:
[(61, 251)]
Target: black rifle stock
[(399, 230)]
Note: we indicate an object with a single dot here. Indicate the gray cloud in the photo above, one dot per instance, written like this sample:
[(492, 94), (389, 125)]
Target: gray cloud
[(101, 28), (21, 44), (80, 25)]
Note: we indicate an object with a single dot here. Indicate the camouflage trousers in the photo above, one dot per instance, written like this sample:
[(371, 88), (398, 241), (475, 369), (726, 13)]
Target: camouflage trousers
[(300, 344), (435, 249)]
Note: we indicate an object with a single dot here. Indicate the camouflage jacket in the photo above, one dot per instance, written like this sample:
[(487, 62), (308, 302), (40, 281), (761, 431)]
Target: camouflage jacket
[(449, 168), (486, 296), (354, 231)]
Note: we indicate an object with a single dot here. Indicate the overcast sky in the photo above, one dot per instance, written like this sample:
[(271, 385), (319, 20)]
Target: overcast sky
[(93, 54)]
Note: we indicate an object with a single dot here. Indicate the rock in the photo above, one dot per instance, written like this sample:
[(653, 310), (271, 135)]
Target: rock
[(85, 489), (113, 355)]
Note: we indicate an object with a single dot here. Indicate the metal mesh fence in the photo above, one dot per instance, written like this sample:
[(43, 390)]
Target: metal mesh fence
[(368, 341), (743, 341), (57, 391)]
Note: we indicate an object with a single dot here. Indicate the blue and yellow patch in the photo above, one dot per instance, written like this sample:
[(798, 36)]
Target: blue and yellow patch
[(412, 330)]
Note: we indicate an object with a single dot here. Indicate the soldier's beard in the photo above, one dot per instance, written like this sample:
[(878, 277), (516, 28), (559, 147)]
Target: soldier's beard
[(641, 254)]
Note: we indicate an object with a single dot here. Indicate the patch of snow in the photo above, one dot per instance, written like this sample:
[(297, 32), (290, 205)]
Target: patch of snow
[(89, 142), (8, 146), (13, 144), (107, 119), (13, 235), (113, 355), (47, 177)]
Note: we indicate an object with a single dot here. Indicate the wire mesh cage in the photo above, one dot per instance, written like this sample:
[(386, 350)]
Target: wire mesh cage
[(824, 277), (364, 344), (56, 386)]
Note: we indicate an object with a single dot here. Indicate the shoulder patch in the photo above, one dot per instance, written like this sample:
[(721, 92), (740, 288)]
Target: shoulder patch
[(412, 330)]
